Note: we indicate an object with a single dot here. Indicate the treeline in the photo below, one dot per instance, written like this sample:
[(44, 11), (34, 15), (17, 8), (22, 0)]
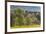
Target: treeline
[(22, 17)]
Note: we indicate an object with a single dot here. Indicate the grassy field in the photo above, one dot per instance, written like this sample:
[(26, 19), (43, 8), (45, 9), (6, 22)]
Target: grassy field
[(26, 26)]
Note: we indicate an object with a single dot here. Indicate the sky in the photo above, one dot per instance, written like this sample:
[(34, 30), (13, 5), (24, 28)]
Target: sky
[(28, 8)]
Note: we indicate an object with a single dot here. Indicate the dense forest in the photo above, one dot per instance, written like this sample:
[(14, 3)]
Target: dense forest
[(20, 17)]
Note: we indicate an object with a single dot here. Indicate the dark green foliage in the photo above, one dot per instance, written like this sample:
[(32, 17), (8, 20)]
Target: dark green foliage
[(38, 17)]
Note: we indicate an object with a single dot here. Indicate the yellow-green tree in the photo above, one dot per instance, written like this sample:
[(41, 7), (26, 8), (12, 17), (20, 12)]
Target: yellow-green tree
[(19, 16)]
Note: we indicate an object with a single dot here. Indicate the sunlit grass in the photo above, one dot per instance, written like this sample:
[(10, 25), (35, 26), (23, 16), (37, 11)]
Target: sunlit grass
[(26, 26)]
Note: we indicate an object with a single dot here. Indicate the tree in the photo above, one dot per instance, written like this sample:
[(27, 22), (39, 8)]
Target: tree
[(12, 19), (19, 12)]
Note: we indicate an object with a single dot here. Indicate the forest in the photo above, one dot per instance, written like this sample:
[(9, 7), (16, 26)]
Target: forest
[(24, 19)]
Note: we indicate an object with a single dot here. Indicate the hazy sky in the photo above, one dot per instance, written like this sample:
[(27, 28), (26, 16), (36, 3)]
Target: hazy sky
[(28, 8)]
